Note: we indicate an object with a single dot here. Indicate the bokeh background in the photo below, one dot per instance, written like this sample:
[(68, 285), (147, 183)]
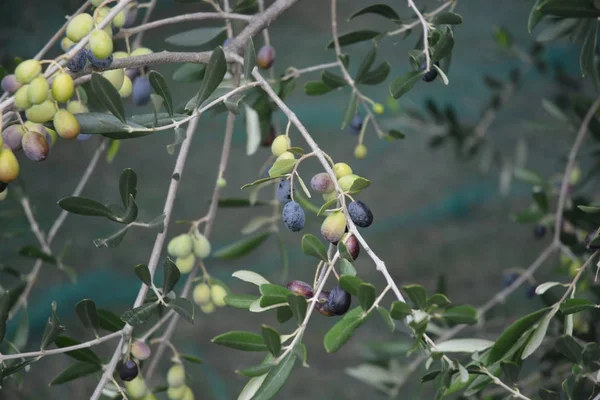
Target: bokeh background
[(434, 213)]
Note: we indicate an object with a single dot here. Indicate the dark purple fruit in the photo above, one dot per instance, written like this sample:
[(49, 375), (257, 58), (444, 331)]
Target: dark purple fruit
[(356, 124), (12, 136), (130, 16), (128, 370), (360, 214), (284, 193), (301, 288), (10, 84), (338, 301), (132, 73), (293, 216), (141, 91), (322, 306), (265, 57), (77, 63), (431, 74), (352, 245), (99, 62), (539, 231), (35, 146), (530, 292)]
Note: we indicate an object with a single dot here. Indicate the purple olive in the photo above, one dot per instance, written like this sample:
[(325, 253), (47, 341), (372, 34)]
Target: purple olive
[(322, 183), (141, 91), (12, 137), (338, 301), (35, 146), (10, 84), (300, 288), (265, 57), (128, 370)]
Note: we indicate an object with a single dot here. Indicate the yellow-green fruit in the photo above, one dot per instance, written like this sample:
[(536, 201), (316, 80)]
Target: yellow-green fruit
[(378, 108), (176, 393), (119, 20), (77, 107), (176, 376), (63, 88), (346, 182), (119, 54), (149, 396), (101, 44), (96, 3), (41, 113), (37, 90), (286, 155), (101, 13), (207, 308), (341, 169), (329, 196), (360, 151), (126, 88), (218, 294), (115, 77), (186, 264), (66, 44), (188, 395), (221, 182), (53, 136), (280, 145), (66, 125), (201, 245), (141, 51), (575, 176), (22, 99), (79, 27), (136, 388), (9, 166), (201, 294), (180, 246), (27, 71), (333, 227)]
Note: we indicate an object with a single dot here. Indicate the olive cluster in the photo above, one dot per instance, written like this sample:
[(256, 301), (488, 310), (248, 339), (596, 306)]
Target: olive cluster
[(186, 248), (329, 303), (208, 297), (178, 390)]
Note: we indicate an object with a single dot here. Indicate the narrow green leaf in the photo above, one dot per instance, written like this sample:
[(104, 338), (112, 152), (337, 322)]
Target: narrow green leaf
[(400, 310), (326, 206), (112, 240), (272, 340), (127, 185), (171, 275), (443, 47), (276, 378), (8, 371), (236, 203), (316, 88), (179, 138), (159, 84), (282, 167), (85, 355), (253, 131), (284, 314), (350, 284), (350, 110), (239, 340), (589, 209), (535, 15), (332, 80), (354, 37), (87, 313), (256, 370), (108, 96), (366, 295), (572, 306), (298, 305), (258, 182), (240, 300), (183, 307), (417, 294), (109, 321), (215, 71), (439, 300), (586, 57), (538, 335), (346, 268), (378, 9), (241, 247), (142, 272), (461, 315), (570, 9), (464, 345), (75, 371), (130, 213), (189, 73), (510, 371), (312, 246), (53, 329), (191, 358), (88, 207), (448, 18), (139, 315), (404, 83), (359, 184), (249, 59), (528, 176), (4, 309), (342, 331), (387, 318), (366, 64), (569, 347), (34, 252), (376, 75)]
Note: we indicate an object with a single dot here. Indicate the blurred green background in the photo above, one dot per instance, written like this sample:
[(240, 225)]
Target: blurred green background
[(434, 215)]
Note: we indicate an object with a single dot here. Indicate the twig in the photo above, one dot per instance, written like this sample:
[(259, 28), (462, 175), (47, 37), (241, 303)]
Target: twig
[(515, 392), (407, 27), (425, 25)]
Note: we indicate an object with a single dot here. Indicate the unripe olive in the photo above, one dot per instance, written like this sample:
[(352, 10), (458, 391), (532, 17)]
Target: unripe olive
[(101, 13), (63, 88), (186, 264), (66, 44), (136, 388), (360, 151), (180, 246), (201, 294), (79, 27), (347, 181), (77, 107), (120, 54), (41, 113), (115, 77), (176, 375), (378, 108), (131, 15), (126, 87), (322, 183), (287, 155), (140, 350), (27, 70), (22, 99), (96, 3), (101, 44), (329, 196), (280, 145), (12, 136), (352, 245), (9, 166), (141, 51), (218, 294), (221, 182), (333, 227), (300, 288), (10, 84), (119, 19), (188, 394), (35, 146), (176, 393), (201, 245), (265, 57), (149, 396), (66, 125), (208, 308), (341, 169), (37, 90)]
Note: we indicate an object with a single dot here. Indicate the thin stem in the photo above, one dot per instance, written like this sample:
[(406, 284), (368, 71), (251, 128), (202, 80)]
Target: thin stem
[(294, 73), (108, 370), (515, 392), (425, 25), (407, 27)]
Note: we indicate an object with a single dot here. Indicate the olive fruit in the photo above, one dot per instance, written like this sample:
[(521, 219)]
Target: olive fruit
[(140, 350), (188, 394), (9, 166), (41, 113), (265, 57), (10, 84), (132, 73), (200, 244), (99, 62), (509, 279), (63, 88), (356, 123), (293, 216), (101, 44), (127, 87), (136, 388), (360, 214), (77, 107), (39, 128), (221, 183), (96, 3), (37, 90), (322, 183), (22, 99), (12, 136), (141, 91), (539, 231), (300, 288), (141, 51), (378, 108), (79, 27), (78, 61), (130, 15), (338, 301), (35, 146), (431, 74), (176, 393), (27, 70), (180, 246), (341, 170), (128, 370), (346, 182), (333, 227), (280, 145), (115, 77), (201, 294), (66, 125), (322, 305), (208, 308), (218, 294), (330, 196), (119, 19), (286, 155), (284, 193), (360, 151), (66, 44), (351, 243), (186, 264), (176, 375)]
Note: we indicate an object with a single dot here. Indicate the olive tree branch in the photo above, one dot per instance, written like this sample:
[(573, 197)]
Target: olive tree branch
[(515, 391), (407, 27)]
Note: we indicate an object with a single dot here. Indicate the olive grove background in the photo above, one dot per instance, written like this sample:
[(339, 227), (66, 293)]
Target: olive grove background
[(436, 215)]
